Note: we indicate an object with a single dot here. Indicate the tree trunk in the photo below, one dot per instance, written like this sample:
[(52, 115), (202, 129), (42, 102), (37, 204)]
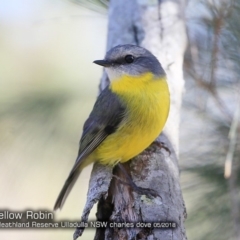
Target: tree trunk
[(159, 27)]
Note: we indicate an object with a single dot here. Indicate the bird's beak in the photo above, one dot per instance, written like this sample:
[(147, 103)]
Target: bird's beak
[(103, 63)]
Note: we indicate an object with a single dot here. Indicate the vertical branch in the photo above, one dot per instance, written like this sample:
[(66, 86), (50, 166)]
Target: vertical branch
[(138, 22), (230, 173)]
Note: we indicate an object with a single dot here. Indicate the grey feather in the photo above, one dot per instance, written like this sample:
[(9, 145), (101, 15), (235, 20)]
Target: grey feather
[(107, 114)]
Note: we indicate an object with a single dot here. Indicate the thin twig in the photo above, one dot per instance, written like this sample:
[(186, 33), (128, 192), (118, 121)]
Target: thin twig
[(232, 142)]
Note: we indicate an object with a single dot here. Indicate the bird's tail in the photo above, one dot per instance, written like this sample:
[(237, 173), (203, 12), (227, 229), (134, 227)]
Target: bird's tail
[(69, 183)]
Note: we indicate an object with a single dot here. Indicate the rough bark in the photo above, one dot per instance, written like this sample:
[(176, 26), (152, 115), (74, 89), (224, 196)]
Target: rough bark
[(157, 26)]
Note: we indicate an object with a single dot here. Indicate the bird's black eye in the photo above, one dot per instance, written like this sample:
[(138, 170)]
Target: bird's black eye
[(129, 58)]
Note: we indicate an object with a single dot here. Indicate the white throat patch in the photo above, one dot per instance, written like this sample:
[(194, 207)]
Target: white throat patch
[(113, 74)]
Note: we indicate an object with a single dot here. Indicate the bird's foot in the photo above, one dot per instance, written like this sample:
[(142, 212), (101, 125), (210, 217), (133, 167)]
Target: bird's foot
[(150, 193)]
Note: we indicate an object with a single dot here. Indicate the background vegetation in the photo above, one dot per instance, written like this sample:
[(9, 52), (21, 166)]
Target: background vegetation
[(48, 85)]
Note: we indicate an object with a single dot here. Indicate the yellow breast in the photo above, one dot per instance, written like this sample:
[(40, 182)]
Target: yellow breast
[(147, 100)]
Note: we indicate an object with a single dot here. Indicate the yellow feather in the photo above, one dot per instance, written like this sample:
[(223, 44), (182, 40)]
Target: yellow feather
[(147, 100)]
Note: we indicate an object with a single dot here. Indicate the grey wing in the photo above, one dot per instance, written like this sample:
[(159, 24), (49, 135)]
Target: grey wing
[(107, 114)]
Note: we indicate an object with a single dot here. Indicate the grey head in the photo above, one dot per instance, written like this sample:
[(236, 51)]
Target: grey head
[(130, 60)]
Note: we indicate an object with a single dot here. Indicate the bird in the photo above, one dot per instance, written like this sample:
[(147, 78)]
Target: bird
[(128, 115)]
